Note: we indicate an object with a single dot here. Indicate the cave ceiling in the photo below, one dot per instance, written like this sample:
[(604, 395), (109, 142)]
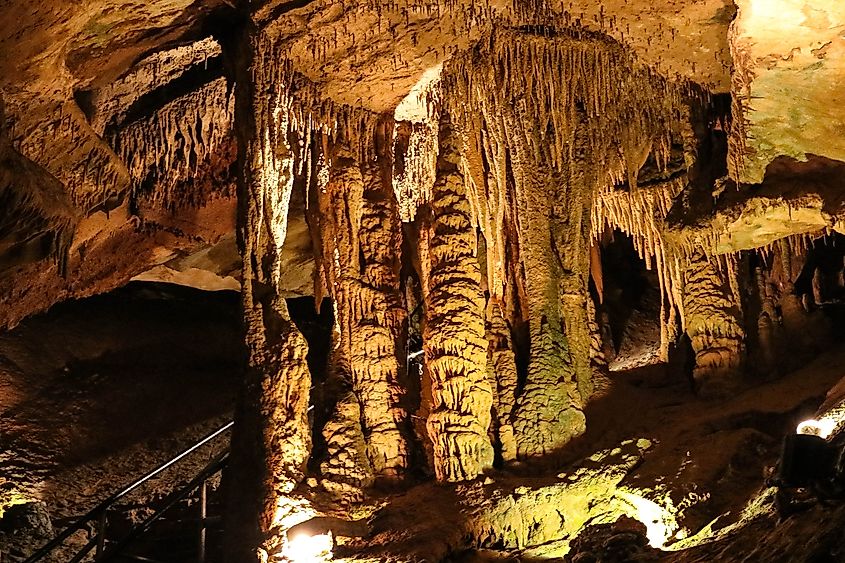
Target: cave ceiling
[(93, 93)]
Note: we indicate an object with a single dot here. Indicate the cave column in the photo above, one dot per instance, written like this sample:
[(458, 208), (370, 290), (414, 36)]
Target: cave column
[(454, 333), (555, 262), (361, 241), (271, 439), (714, 326)]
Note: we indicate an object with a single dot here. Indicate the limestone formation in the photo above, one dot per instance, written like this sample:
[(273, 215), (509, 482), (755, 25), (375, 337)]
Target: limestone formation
[(449, 176), (640, 214), (346, 472), (272, 438), (39, 220), (714, 324), (182, 148), (504, 378), (453, 337), (361, 245), (536, 164)]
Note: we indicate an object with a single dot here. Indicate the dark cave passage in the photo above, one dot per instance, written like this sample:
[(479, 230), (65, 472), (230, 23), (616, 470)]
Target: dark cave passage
[(101, 390), (630, 312)]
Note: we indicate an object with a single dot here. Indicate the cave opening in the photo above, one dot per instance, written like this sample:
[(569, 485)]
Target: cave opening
[(630, 304), (821, 283)]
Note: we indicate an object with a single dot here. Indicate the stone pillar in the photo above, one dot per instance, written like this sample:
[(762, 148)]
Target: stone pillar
[(714, 326), (549, 411), (361, 245), (271, 440), (453, 336)]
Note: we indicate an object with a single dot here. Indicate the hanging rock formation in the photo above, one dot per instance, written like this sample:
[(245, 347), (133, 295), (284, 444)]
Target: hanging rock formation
[(535, 164), (640, 213), (453, 336), (179, 156)]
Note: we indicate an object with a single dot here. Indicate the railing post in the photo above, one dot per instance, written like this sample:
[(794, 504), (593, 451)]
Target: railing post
[(203, 513), (101, 535)]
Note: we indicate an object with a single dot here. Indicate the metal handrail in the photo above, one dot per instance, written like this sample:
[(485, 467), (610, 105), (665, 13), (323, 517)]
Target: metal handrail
[(101, 508), (211, 469)]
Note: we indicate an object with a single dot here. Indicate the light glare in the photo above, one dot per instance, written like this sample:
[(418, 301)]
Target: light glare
[(305, 548), (822, 428)]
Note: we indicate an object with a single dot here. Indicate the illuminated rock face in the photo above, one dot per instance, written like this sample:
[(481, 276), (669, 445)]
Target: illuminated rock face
[(453, 338), (361, 245), (272, 439), (504, 377), (780, 47)]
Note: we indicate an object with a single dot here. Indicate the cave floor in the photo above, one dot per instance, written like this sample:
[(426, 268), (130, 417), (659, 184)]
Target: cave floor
[(710, 457), (95, 392)]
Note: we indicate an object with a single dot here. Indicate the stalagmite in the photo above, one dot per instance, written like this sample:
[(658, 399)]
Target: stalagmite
[(549, 410), (598, 361), (361, 247), (346, 471), (504, 377), (714, 325), (453, 336), (272, 440)]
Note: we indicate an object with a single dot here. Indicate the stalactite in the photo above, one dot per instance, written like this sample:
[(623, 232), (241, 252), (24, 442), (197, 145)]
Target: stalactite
[(415, 146), (714, 325), (361, 239), (639, 214), (412, 183), (271, 440), (454, 338), (111, 103), (166, 151), (504, 377), (741, 79), (549, 120)]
